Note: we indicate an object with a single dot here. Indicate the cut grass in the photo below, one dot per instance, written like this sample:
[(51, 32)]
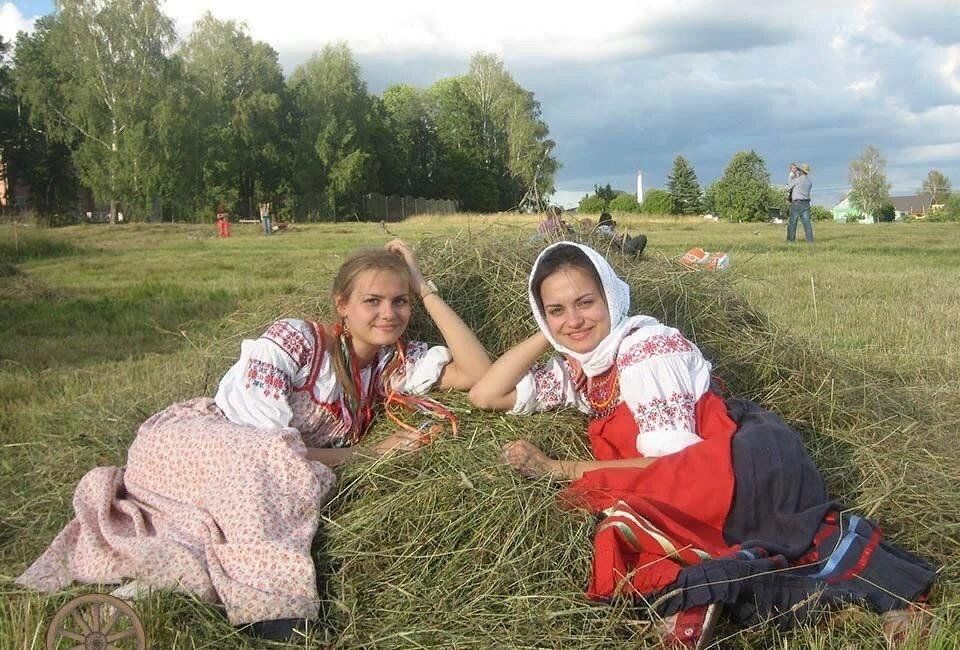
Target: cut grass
[(447, 548)]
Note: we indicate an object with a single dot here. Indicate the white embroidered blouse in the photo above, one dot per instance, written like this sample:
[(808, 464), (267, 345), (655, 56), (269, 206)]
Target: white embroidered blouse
[(662, 375), (285, 379)]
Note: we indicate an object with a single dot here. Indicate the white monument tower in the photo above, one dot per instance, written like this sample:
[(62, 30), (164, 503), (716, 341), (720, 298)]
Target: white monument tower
[(639, 186)]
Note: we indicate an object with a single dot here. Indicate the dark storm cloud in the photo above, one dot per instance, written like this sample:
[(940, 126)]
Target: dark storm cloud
[(707, 85)]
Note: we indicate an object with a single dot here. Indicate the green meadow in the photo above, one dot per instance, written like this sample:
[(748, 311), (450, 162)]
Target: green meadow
[(855, 341)]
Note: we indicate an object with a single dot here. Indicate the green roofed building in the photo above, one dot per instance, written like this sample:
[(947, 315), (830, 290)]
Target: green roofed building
[(845, 210)]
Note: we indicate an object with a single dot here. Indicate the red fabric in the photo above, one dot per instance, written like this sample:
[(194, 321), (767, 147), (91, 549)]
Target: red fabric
[(684, 497)]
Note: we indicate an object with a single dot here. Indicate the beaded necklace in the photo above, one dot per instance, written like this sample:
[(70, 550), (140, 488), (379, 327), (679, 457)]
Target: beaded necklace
[(602, 392)]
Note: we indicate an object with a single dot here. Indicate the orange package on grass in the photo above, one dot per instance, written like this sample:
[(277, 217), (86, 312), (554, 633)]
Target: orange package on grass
[(697, 258)]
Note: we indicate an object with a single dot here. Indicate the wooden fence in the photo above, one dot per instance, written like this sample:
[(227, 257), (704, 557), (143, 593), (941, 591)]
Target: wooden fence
[(395, 208)]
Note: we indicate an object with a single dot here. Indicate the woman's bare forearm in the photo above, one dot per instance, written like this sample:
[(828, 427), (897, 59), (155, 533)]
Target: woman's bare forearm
[(571, 470), (470, 360), (332, 456), (496, 390)]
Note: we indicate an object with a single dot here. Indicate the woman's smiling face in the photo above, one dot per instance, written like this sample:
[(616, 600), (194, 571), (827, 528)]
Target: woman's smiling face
[(575, 309), (378, 309)]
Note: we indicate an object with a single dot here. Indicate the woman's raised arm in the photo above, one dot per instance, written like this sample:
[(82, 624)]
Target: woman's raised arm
[(469, 359)]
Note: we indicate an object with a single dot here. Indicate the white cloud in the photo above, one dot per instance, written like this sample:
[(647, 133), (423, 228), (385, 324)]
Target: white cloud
[(864, 86), (951, 68), (12, 21), (934, 153), (532, 31)]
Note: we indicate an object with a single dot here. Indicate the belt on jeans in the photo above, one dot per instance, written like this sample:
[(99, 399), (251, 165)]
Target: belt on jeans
[(800, 201)]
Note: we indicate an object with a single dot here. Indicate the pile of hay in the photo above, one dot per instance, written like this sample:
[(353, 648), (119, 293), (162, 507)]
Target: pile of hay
[(449, 548)]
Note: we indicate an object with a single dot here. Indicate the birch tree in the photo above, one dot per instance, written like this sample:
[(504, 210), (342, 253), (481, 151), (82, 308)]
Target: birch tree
[(335, 160), (868, 180), (936, 185), (91, 73), (513, 134)]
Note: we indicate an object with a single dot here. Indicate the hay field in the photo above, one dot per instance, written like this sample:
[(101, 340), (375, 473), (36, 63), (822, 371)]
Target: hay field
[(855, 342)]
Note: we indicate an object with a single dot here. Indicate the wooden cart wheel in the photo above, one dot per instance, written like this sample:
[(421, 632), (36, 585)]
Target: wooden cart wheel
[(96, 622)]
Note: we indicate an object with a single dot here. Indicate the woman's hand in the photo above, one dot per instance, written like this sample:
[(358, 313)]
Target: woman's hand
[(404, 250), (526, 458), (404, 440)]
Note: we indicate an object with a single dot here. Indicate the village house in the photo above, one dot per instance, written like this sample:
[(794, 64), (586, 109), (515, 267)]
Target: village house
[(915, 205)]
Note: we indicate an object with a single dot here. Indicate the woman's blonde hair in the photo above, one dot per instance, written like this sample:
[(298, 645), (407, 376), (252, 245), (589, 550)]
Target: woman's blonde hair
[(360, 260)]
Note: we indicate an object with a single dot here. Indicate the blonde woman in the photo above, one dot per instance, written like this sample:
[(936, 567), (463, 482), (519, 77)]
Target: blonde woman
[(220, 498)]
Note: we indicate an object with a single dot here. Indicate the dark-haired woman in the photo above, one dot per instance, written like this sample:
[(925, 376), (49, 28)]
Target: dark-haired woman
[(707, 504), (220, 498)]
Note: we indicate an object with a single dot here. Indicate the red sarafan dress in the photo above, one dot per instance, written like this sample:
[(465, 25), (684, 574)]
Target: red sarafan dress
[(733, 511)]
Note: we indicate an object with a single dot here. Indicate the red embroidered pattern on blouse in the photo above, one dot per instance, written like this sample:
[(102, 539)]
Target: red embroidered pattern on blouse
[(414, 352), (657, 345), (673, 412), (273, 381), (290, 340), (549, 388)]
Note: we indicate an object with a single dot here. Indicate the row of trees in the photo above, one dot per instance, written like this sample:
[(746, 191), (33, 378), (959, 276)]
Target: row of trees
[(682, 196), (744, 191), (103, 96)]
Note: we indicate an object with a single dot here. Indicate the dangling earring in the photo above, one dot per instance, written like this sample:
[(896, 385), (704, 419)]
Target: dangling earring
[(341, 326)]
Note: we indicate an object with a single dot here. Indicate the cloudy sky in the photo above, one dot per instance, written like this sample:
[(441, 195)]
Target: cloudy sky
[(628, 85)]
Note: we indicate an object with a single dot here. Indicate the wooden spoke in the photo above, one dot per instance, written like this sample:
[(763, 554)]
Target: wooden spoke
[(89, 614), (80, 621), (95, 617), (111, 621), (126, 634)]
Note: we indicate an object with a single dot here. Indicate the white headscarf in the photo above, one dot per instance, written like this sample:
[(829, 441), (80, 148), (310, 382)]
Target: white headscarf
[(617, 294)]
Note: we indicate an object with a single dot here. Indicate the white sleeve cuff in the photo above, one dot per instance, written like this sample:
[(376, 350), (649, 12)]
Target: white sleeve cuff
[(426, 371), (526, 396), (654, 444)]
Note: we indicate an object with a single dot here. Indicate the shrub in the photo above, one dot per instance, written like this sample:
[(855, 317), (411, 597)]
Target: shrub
[(887, 212), (820, 213), (624, 203), (777, 201), (591, 203), (657, 202), (743, 191), (950, 210)]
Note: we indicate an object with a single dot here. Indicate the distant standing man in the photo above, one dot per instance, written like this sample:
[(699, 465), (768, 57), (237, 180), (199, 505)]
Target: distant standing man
[(798, 187), (265, 218)]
